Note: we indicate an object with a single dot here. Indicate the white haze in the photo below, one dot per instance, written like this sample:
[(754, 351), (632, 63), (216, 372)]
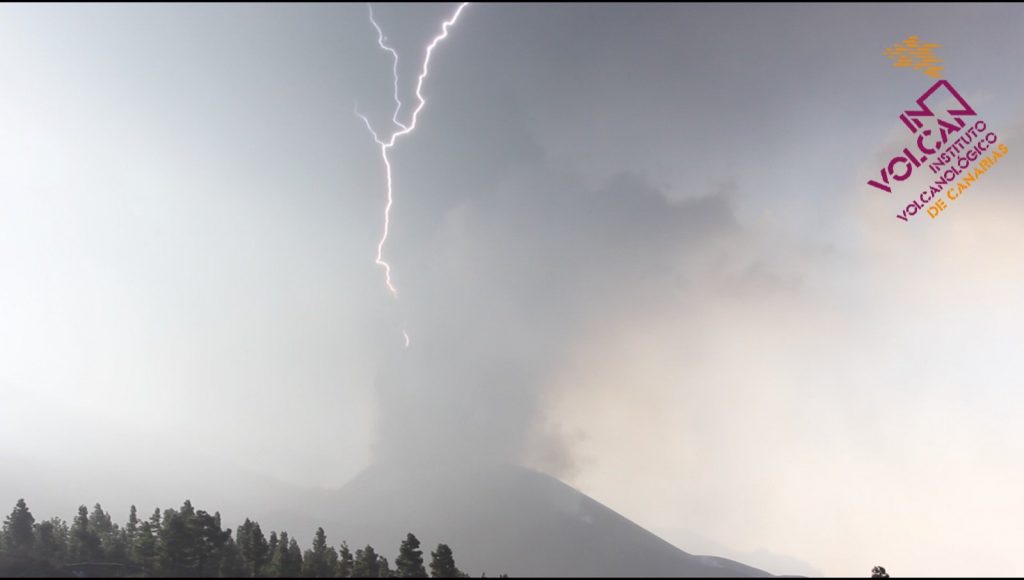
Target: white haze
[(646, 267)]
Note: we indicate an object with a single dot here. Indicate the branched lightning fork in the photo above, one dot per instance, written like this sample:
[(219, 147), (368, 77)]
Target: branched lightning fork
[(394, 69), (386, 145)]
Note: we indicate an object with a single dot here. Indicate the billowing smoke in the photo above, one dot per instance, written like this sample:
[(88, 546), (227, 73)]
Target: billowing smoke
[(508, 282)]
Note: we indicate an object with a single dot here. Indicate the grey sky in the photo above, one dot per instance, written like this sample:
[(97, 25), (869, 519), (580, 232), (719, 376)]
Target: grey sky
[(633, 244)]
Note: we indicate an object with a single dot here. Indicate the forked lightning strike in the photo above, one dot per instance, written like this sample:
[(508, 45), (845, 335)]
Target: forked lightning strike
[(404, 129)]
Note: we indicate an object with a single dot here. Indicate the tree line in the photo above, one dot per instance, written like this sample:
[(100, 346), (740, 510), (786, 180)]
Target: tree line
[(187, 542)]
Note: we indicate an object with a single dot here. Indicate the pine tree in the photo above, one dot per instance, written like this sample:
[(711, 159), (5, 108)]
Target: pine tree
[(307, 565), (131, 529), (243, 539), (315, 562), (174, 550), (45, 543), (51, 543), (100, 521), (294, 559), (345, 563), (208, 541), (287, 561), (259, 550), (187, 510), (442, 563), (116, 547), (61, 532), (366, 564), (83, 543), (154, 521), (231, 564), (255, 550), (279, 557), (112, 544), (18, 535), (272, 544), (192, 543), (409, 563), (331, 562), (144, 550)]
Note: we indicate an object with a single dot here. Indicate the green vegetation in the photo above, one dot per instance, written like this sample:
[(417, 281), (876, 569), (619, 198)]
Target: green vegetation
[(191, 543)]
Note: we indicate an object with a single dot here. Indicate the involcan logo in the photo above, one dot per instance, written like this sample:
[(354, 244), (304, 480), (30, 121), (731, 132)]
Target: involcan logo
[(951, 141)]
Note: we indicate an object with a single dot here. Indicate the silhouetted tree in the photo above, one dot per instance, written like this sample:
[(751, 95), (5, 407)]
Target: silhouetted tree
[(231, 564), (192, 543), (100, 521), (208, 542), (287, 560), (255, 550), (272, 545), (243, 538), (51, 543), (144, 548), (131, 529), (442, 563), (316, 563), (18, 536), (345, 563), (332, 562), (83, 543), (366, 564), (116, 548), (175, 556), (154, 521), (276, 557), (294, 559), (879, 572), (113, 542), (409, 563), (279, 558)]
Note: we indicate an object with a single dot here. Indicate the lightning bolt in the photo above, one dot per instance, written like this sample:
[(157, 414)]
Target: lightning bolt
[(387, 144), (394, 68)]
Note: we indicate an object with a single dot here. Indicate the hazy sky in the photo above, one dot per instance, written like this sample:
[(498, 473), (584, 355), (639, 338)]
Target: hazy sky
[(634, 248)]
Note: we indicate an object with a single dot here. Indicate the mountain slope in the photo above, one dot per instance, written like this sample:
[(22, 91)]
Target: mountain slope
[(501, 519)]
